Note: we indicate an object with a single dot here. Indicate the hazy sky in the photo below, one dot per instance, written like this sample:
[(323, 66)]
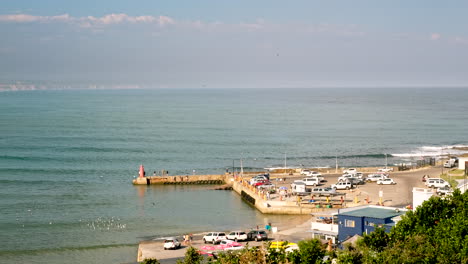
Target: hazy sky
[(216, 43)]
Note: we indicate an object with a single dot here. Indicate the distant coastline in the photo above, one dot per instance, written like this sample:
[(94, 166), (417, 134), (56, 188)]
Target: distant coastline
[(32, 85)]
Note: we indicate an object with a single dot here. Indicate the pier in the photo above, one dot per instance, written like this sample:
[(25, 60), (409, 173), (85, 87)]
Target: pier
[(142, 179)]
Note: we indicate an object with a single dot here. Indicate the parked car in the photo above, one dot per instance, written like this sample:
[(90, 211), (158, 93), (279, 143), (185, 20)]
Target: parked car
[(342, 185), (171, 243), (312, 181), (256, 179), (344, 177), (315, 174), (309, 173), (386, 169), (289, 247), (375, 177), (257, 235), (261, 182), (305, 172), (356, 181), (386, 181), (267, 186), (444, 190), (229, 245), (359, 175), (324, 190), (350, 171), (237, 236), (214, 237), (436, 183)]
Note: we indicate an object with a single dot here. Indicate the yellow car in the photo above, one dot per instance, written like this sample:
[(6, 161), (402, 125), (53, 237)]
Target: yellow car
[(284, 245)]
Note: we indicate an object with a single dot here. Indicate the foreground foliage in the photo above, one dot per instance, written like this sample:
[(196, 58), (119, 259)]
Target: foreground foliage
[(436, 232)]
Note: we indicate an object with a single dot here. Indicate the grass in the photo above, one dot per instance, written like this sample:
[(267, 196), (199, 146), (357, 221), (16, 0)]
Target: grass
[(456, 172), (452, 180)]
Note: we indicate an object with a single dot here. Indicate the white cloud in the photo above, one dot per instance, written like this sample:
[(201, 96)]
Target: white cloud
[(89, 21), (24, 18), (435, 36), (99, 23)]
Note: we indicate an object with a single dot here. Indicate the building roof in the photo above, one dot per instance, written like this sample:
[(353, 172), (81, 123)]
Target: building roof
[(374, 212)]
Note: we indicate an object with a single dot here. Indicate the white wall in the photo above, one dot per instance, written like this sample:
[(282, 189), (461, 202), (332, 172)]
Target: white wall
[(420, 195), (461, 162)]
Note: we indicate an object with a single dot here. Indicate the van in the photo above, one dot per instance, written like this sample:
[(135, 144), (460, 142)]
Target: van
[(313, 181), (436, 183), (299, 188)]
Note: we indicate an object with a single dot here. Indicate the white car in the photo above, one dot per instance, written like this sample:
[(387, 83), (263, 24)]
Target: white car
[(345, 177), (214, 237), (171, 243), (436, 183), (386, 181), (237, 236), (309, 173), (256, 179), (376, 177), (324, 190), (444, 190), (318, 175), (350, 171), (386, 169), (343, 185)]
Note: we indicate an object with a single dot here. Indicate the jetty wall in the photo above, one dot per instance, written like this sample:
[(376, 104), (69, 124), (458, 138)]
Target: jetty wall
[(181, 179)]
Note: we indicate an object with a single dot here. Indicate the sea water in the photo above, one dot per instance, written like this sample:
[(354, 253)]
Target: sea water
[(67, 157)]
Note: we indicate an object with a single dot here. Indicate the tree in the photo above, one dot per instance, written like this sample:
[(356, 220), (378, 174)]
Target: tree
[(191, 257), (311, 251), (376, 240), (150, 261)]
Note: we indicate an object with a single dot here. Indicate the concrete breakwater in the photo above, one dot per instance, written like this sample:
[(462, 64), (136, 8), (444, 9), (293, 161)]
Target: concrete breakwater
[(181, 179), (277, 204)]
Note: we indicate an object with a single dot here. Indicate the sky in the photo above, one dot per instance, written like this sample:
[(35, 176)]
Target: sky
[(234, 44)]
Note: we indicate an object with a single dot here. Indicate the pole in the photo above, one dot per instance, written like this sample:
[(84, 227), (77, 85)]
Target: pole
[(386, 161), (336, 163), (242, 168), (285, 164)]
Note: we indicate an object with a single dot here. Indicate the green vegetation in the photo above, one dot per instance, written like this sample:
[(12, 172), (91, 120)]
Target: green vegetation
[(191, 257), (150, 261), (456, 172), (437, 232)]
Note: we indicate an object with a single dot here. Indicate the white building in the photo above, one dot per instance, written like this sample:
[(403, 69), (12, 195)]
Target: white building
[(462, 160), (462, 185)]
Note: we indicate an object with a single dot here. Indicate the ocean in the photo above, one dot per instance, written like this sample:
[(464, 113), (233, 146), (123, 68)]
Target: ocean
[(67, 157)]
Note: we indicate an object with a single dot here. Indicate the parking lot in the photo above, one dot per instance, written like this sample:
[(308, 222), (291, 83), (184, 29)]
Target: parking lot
[(399, 194)]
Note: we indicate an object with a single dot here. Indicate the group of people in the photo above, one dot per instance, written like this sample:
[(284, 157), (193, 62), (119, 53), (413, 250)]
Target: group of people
[(188, 239)]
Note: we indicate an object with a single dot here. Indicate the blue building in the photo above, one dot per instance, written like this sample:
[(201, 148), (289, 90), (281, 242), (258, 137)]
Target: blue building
[(364, 219)]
